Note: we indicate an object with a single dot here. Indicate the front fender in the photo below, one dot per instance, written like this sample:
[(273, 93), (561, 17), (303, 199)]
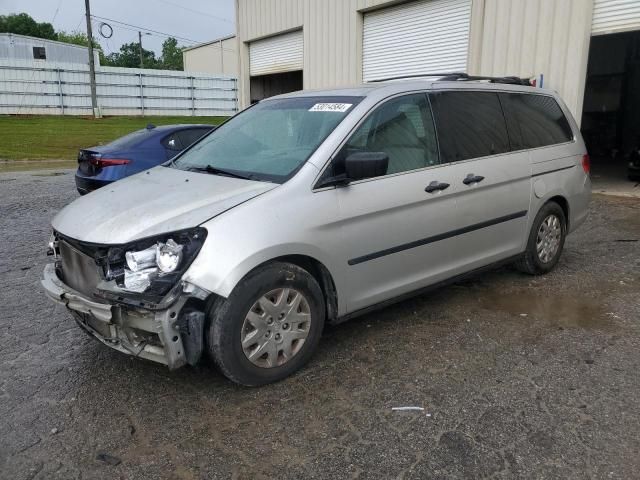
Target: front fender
[(220, 274)]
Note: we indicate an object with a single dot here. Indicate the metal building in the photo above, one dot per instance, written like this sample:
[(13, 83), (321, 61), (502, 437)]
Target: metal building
[(22, 47), (218, 57), (288, 44)]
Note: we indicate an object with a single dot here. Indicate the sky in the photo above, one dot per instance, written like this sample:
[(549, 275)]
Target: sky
[(195, 21)]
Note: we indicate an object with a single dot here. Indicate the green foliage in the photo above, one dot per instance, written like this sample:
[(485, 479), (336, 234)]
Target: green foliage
[(23, 24), (171, 55), (77, 38), (38, 137), (129, 57)]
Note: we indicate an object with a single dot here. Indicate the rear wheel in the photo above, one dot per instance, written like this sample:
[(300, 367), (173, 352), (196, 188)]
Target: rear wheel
[(268, 327), (546, 240)]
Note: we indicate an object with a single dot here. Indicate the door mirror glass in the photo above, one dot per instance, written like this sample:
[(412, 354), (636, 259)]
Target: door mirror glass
[(362, 165)]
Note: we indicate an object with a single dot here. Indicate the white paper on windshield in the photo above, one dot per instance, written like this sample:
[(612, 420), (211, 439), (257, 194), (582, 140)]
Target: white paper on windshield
[(331, 107)]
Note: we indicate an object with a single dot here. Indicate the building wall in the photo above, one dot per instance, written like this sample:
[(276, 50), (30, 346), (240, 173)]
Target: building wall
[(521, 37), (217, 58), (332, 31), (527, 38)]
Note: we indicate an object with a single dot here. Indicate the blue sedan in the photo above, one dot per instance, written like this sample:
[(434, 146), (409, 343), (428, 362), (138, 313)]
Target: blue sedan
[(133, 153)]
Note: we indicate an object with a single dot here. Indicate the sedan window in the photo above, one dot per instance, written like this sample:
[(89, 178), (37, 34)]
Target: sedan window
[(192, 135), (172, 142)]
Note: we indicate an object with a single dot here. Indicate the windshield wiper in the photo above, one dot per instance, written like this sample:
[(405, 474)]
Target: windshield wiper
[(218, 171)]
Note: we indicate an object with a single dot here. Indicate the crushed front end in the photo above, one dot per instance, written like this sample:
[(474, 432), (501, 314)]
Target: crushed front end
[(131, 297)]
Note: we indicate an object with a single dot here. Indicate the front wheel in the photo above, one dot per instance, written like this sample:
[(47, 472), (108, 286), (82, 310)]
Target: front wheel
[(546, 240), (268, 327)]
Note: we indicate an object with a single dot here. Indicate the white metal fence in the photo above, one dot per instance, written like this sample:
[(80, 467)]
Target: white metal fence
[(63, 89)]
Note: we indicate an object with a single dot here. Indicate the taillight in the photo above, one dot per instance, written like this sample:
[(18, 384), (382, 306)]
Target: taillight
[(108, 162), (586, 163)]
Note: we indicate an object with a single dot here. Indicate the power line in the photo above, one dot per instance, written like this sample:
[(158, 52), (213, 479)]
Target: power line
[(138, 27), (199, 12), (56, 14)]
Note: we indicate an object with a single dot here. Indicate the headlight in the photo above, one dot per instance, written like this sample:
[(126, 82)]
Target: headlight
[(168, 256), (153, 266)]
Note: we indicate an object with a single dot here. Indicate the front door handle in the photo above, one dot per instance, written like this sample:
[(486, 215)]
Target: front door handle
[(435, 186), (471, 178)]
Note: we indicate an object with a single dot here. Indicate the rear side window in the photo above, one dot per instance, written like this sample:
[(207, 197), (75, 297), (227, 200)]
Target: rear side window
[(535, 120), (172, 142), (470, 125), (191, 135)]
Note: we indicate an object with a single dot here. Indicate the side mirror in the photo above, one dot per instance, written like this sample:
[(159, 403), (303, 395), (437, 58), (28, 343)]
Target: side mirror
[(366, 165)]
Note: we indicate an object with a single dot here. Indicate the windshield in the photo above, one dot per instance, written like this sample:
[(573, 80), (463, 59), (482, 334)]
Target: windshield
[(269, 141)]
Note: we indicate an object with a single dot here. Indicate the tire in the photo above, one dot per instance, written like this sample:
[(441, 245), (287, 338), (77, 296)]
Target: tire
[(531, 261), (229, 321)]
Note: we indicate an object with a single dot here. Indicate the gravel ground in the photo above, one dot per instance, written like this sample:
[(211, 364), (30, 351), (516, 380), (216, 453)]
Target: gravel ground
[(520, 377)]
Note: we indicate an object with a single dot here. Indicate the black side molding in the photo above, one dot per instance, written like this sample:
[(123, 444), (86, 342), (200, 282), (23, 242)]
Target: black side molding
[(552, 171), (423, 290), (436, 238)]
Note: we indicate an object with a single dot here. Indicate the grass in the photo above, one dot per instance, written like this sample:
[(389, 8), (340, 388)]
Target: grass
[(33, 138)]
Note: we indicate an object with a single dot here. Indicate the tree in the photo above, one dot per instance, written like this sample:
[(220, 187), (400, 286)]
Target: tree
[(129, 57), (23, 24), (77, 38), (171, 55)]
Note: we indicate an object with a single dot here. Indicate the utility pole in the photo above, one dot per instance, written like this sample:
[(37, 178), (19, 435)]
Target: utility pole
[(92, 65), (140, 48)]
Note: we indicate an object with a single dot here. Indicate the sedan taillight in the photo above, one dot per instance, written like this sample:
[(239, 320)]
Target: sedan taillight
[(108, 162)]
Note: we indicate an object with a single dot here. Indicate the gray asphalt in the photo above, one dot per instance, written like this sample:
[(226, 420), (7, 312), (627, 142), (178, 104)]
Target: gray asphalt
[(519, 377)]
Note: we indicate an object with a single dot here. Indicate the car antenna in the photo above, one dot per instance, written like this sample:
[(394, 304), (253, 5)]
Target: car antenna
[(150, 126)]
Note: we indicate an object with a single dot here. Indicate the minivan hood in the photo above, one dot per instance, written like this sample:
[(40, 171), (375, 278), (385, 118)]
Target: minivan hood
[(150, 203)]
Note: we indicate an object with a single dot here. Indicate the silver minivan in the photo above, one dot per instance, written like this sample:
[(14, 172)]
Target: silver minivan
[(315, 207)]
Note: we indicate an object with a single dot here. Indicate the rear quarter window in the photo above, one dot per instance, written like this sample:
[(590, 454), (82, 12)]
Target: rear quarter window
[(191, 135), (535, 120), (469, 124)]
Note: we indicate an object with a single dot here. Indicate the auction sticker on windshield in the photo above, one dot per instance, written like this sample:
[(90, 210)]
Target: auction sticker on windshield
[(331, 107)]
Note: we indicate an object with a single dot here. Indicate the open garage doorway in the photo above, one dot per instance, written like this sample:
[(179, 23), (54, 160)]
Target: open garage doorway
[(264, 86), (611, 112)]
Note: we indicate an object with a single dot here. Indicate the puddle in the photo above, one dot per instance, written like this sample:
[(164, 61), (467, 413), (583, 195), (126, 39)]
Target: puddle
[(569, 311)]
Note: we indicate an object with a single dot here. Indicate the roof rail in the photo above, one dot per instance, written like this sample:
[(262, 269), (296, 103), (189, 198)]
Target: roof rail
[(461, 77)]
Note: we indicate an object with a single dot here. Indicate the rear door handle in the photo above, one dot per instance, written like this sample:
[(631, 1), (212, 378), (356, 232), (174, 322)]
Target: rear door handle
[(435, 186), (471, 178)]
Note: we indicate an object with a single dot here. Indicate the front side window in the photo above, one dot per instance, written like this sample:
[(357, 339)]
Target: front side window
[(538, 118), (470, 125), (403, 129), (269, 141)]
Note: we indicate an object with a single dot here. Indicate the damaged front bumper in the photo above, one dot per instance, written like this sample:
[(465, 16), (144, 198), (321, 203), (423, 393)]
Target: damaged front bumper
[(172, 336)]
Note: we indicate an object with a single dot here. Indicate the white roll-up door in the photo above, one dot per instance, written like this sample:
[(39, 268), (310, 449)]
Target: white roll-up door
[(426, 36), (278, 54), (611, 16)]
